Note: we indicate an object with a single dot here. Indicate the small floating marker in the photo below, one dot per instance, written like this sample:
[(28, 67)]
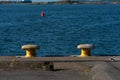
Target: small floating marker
[(42, 14)]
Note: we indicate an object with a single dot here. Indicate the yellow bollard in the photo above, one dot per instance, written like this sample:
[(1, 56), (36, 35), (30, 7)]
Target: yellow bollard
[(85, 49), (30, 50)]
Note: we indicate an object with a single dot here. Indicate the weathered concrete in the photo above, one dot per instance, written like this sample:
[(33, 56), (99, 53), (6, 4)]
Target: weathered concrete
[(29, 69), (60, 68), (105, 71)]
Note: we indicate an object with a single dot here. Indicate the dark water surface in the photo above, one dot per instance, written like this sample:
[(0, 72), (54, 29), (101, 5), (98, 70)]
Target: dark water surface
[(61, 30)]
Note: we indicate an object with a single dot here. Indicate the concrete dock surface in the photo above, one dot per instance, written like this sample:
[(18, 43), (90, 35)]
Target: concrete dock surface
[(65, 68)]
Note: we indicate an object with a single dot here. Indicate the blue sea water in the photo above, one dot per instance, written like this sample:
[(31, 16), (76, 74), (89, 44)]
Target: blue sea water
[(61, 30)]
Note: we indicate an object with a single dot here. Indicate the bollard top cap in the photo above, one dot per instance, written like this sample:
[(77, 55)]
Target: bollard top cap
[(30, 46), (83, 46)]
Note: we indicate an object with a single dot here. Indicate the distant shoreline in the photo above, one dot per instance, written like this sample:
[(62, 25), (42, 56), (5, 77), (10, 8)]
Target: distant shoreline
[(60, 2)]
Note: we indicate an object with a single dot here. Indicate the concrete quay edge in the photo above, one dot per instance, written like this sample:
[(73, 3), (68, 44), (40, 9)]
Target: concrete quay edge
[(62, 59), (104, 68)]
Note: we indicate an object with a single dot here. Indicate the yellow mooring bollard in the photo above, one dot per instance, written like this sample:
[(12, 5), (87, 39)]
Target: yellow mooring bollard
[(30, 50), (85, 49)]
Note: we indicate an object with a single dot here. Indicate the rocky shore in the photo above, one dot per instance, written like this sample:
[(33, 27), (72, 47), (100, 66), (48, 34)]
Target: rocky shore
[(61, 2), (60, 68), (77, 2)]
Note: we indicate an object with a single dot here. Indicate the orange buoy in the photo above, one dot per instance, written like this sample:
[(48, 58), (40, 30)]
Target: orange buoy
[(42, 14)]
